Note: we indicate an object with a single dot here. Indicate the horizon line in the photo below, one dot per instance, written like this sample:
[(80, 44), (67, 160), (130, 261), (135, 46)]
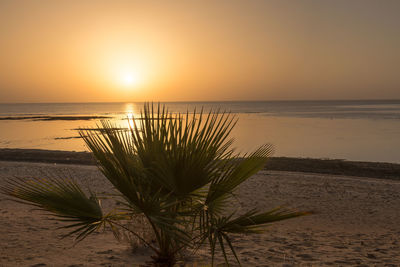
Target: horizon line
[(207, 101)]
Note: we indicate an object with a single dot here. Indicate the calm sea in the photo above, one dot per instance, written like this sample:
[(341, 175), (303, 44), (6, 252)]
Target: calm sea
[(353, 130)]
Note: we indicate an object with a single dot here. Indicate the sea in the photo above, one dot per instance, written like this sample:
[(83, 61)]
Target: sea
[(355, 130)]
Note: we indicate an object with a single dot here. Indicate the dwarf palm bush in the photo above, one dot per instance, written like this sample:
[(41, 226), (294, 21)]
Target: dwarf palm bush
[(176, 171)]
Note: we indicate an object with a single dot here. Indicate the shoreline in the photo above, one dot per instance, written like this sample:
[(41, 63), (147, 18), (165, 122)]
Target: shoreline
[(380, 170)]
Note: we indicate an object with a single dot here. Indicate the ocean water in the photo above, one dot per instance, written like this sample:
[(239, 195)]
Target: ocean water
[(352, 130)]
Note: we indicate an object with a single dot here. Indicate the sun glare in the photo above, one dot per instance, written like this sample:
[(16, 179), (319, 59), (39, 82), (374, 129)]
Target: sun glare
[(129, 79)]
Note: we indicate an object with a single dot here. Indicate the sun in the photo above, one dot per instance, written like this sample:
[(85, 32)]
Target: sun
[(129, 78)]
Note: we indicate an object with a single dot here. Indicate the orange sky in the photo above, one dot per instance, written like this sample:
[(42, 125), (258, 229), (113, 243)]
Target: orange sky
[(83, 51)]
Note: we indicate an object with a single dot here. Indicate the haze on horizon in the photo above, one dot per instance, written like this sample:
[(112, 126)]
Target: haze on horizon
[(86, 51)]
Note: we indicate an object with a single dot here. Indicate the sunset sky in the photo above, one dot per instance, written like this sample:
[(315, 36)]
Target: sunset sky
[(84, 51)]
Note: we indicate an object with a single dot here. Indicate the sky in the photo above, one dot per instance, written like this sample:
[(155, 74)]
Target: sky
[(103, 51)]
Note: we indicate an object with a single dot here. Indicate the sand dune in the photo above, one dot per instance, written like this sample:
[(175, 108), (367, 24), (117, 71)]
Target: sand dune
[(356, 223)]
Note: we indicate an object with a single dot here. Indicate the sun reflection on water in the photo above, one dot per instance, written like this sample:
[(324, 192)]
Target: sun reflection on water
[(132, 113)]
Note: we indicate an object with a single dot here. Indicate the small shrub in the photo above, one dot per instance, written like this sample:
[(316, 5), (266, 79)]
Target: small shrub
[(175, 172)]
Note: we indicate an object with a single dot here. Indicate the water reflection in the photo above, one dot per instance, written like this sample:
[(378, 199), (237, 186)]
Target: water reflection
[(353, 139)]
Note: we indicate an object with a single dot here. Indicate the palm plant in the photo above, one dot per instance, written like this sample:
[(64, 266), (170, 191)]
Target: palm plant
[(177, 171)]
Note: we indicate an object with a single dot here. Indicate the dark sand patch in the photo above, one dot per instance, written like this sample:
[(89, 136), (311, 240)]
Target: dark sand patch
[(325, 166), (55, 118), (67, 138)]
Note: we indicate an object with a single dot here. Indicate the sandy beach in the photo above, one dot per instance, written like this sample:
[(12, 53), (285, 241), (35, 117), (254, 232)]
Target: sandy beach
[(199, 133), (356, 222)]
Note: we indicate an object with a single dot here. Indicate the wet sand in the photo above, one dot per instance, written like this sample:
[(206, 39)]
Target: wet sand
[(325, 166), (356, 223), (53, 118)]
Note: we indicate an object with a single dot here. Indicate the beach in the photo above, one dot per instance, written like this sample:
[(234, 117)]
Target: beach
[(355, 222), (193, 133)]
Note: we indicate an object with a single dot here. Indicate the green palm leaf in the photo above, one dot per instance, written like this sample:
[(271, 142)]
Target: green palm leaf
[(249, 223), (63, 199)]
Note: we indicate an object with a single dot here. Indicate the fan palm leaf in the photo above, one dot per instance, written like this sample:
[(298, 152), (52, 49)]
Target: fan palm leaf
[(63, 199)]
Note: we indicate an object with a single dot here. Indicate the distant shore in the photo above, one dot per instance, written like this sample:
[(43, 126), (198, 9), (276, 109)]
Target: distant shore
[(326, 166), (54, 118)]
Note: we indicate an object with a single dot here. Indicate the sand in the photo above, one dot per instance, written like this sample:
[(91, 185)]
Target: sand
[(356, 223), (324, 166)]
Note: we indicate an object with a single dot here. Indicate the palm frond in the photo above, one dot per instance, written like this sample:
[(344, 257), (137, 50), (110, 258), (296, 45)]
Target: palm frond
[(249, 223), (236, 171), (255, 222), (63, 199)]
